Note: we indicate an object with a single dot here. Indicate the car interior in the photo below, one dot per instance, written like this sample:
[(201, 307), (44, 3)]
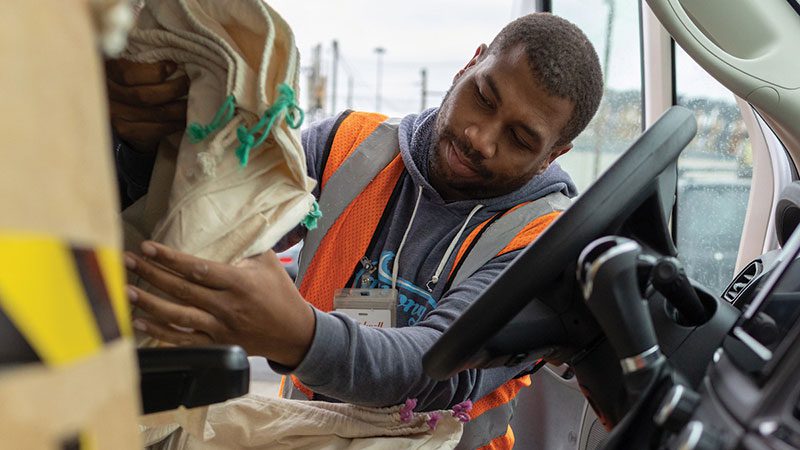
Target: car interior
[(664, 361), (632, 346)]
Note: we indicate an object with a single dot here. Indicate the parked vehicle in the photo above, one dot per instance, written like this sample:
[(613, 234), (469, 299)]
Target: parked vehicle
[(290, 259)]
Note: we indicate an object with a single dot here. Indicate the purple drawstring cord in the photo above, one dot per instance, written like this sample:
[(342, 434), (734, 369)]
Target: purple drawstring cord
[(407, 411), (433, 419), (461, 410)]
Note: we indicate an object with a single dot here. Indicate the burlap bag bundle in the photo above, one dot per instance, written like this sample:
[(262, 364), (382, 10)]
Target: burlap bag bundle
[(235, 182)]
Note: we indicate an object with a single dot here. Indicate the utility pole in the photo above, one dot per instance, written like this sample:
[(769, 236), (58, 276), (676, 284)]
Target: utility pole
[(334, 75), (313, 79), (349, 92), (424, 73), (379, 51)]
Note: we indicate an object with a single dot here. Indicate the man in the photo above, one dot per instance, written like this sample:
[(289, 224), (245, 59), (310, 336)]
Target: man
[(512, 110)]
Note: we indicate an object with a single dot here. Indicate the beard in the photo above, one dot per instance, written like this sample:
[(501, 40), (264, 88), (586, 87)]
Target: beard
[(487, 185)]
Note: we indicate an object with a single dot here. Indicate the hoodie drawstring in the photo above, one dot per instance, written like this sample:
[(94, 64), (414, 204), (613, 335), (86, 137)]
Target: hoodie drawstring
[(435, 278), (396, 265)]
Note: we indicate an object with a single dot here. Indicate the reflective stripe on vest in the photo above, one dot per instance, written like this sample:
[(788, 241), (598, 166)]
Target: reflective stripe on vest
[(497, 237), (512, 231), (352, 202), (355, 190), (488, 426), (371, 156), (329, 259), (478, 433)]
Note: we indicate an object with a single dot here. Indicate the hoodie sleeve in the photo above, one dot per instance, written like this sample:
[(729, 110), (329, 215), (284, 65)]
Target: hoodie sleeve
[(382, 367)]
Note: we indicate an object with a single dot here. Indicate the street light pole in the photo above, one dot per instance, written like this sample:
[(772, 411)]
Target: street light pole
[(349, 92), (379, 51), (424, 73), (334, 74)]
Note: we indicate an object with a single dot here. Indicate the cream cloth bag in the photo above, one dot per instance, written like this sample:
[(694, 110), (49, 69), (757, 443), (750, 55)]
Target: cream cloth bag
[(290, 424), (230, 188), (236, 182)]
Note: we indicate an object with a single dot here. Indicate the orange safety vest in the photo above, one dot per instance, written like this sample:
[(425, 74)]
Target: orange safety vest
[(335, 258)]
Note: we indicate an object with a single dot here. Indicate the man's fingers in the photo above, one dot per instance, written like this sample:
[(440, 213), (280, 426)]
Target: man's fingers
[(210, 274), (149, 95), (169, 312), (144, 128), (168, 112), (146, 131), (171, 335), (143, 136), (173, 285), (267, 259), (131, 73)]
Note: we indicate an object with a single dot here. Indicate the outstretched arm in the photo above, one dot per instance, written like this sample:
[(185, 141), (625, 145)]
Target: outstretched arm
[(257, 306)]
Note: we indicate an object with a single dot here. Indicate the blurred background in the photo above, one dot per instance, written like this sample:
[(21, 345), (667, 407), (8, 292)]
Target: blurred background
[(400, 57)]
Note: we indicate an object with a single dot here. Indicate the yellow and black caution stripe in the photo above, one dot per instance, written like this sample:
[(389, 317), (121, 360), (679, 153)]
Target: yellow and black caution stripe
[(58, 302), (95, 288), (14, 349), (73, 443)]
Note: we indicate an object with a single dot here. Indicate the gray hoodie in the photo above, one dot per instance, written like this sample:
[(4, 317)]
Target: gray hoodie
[(381, 367)]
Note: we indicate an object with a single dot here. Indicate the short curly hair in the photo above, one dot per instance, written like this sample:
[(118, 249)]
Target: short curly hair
[(562, 59)]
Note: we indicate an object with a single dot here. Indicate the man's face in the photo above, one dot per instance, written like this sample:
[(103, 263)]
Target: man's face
[(496, 128)]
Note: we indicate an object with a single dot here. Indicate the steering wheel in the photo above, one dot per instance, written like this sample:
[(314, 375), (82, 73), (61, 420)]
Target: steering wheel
[(539, 289)]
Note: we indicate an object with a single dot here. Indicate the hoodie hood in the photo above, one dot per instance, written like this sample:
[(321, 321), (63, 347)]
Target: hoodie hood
[(417, 140)]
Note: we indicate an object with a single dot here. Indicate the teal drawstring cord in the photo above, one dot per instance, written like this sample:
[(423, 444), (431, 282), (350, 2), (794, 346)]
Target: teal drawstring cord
[(313, 216), (285, 103), (198, 132)]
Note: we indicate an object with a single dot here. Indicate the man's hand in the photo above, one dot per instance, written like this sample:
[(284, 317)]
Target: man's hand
[(145, 105), (254, 305)]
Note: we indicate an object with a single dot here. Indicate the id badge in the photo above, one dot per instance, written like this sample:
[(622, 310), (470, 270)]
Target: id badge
[(370, 307)]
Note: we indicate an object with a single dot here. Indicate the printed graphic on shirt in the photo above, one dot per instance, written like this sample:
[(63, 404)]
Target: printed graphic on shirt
[(413, 301)]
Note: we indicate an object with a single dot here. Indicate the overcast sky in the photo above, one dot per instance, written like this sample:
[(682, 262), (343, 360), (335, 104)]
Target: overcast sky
[(441, 36)]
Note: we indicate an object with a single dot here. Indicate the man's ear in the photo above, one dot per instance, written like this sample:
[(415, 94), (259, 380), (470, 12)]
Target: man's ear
[(480, 52), (560, 151), (554, 154)]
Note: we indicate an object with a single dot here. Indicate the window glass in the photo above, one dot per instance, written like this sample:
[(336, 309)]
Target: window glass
[(714, 175), (613, 27)]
